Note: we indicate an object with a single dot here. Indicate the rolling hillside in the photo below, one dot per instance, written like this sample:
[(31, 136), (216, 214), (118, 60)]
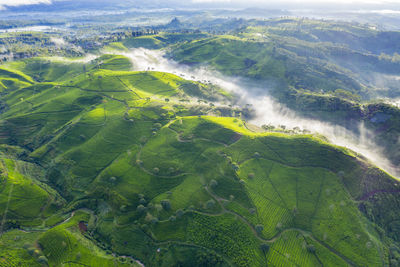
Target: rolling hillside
[(101, 165), (331, 71)]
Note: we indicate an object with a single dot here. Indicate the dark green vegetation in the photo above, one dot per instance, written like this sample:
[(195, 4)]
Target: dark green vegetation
[(100, 164)]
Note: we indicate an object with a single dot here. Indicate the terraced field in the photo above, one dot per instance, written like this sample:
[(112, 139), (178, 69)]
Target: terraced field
[(103, 166)]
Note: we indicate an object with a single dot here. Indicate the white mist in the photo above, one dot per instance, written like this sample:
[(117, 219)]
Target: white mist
[(268, 111)]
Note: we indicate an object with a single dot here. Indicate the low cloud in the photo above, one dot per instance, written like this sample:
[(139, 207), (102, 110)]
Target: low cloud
[(5, 3)]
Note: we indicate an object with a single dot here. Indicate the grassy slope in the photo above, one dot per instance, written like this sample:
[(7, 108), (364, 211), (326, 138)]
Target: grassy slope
[(169, 188)]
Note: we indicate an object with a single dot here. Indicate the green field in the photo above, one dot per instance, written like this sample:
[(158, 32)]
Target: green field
[(103, 166)]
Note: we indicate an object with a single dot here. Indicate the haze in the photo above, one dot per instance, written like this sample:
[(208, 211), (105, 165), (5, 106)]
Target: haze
[(293, 4)]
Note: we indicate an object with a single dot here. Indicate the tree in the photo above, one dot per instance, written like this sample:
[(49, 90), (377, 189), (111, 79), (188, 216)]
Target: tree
[(311, 248), (235, 166), (166, 204), (123, 208), (268, 127), (157, 125), (213, 183), (210, 204), (141, 208), (43, 260), (264, 248), (259, 228), (179, 213), (31, 250), (113, 180)]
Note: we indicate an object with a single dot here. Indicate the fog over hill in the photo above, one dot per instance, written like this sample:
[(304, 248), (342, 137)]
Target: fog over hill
[(268, 111)]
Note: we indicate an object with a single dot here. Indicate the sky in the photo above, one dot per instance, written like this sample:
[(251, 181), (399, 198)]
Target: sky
[(255, 2), (238, 3), (23, 2)]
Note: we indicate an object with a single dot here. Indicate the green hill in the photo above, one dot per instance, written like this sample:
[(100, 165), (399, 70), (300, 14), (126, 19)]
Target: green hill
[(326, 70), (104, 165)]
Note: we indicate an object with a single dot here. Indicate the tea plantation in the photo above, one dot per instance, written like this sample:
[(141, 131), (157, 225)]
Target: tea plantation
[(104, 166)]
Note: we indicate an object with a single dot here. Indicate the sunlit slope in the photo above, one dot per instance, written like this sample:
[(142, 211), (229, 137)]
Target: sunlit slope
[(132, 163), (58, 69)]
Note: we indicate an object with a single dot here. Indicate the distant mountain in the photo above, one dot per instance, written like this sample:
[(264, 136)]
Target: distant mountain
[(71, 5)]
